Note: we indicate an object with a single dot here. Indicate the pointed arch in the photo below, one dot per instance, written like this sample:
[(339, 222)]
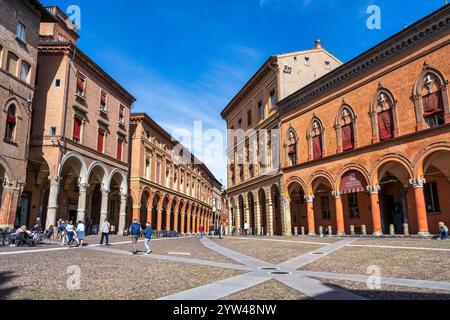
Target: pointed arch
[(291, 146), (346, 129), (431, 100), (383, 115), (316, 139)]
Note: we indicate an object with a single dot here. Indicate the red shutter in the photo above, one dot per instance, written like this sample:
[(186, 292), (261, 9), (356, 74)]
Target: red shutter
[(348, 139), (12, 118), (317, 148), (103, 99), (77, 129), (101, 137), (432, 103), (80, 83), (119, 149), (292, 149), (385, 125)]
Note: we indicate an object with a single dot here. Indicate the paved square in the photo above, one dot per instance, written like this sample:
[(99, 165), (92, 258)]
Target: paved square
[(245, 268)]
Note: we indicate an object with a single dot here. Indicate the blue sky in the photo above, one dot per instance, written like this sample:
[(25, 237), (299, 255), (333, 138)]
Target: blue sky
[(185, 59)]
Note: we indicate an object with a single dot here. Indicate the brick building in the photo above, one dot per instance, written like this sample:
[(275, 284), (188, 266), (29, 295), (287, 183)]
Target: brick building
[(366, 148), (78, 159), (19, 35), (253, 148), (169, 187)]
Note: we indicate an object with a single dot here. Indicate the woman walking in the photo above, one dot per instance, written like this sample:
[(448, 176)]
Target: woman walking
[(81, 233)]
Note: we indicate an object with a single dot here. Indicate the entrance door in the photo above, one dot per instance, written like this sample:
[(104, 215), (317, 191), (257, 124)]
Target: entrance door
[(388, 207), (23, 211), (73, 212)]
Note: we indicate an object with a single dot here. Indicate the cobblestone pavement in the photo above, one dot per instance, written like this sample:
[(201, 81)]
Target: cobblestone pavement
[(247, 268)]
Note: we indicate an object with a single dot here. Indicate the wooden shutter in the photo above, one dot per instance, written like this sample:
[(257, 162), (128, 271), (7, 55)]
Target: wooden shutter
[(432, 104), (348, 139), (100, 141), (385, 125), (119, 149), (77, 129), (317, 147)]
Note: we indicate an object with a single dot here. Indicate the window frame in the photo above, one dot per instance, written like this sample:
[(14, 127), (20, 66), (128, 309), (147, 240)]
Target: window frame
[(11, 120), (28, 77), (7, 66), (22, 35), (431, 193)]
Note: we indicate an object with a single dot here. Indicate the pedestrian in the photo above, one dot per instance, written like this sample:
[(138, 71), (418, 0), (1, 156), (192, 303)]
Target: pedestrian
[(69, 233), (38, 225), (246, 228), (148, 236), (212, 230), (105, 232), (62, 228), (220, 230), (135, 231), (201, 230), (81, 233), (443, 231)]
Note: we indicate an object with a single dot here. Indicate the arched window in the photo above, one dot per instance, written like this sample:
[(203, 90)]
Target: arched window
[(431, 99), (383, 115), (345, 129), (292, 147), (316, 139), (11, 121)]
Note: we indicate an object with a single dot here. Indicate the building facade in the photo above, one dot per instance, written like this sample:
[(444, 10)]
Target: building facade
[(78, 157), (253, 142), (169, 187), (19, 35), (366, 148), (218, 209)]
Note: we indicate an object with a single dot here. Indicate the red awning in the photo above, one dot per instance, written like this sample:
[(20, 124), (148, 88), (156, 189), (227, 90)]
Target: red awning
[(353, 182)]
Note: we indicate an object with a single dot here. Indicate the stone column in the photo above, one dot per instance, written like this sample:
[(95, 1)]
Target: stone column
[(421, 210), (82, 195), (269, 217), (104, 206), (159, 220), (175, 222), (310, 213), (339, 214), (258, 217), (237, 212), (286, 216), (183, 219), (150, 213), (188, 219), (6, 205), (168, 218), (246, 211), (376, 214), (52, 207), (122, 213)]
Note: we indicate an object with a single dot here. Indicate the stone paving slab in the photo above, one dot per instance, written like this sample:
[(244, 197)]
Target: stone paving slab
[(315, 288), (223, 288)]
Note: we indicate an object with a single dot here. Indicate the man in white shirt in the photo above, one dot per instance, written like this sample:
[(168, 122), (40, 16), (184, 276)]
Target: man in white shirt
[(246, 228), (105, 232)]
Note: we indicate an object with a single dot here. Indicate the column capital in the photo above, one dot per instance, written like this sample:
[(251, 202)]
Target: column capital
[(123, 197), (375, 189), (105, 191), (417, 182), (54, 179), (336, 194), (309, 198), (82, 187)]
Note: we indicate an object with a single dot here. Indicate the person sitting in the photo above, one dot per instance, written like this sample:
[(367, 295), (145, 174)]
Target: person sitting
[(49, 232), (443, 231)]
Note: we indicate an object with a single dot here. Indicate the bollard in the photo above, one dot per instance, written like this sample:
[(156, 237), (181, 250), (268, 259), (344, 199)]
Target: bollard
[(303, 231), (364, 230), (406, 229), (295, 231), (352, 230), (330, 231), (392, 230), (321, 231)]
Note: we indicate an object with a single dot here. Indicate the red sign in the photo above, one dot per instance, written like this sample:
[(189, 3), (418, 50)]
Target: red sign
[(353, 182)]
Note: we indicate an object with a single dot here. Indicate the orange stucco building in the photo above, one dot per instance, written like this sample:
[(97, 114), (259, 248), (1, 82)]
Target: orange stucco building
[(366, 148), (169, 187)]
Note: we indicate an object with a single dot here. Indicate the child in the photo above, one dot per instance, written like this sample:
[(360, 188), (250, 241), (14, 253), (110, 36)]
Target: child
[(443, 231)]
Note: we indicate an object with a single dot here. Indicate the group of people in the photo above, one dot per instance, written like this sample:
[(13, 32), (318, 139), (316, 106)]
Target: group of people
[(69, 233)]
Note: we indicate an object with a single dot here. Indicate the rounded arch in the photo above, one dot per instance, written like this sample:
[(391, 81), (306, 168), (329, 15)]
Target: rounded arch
[(435, 75), (82, 165), (318, 175), (386, 162), (293, 180), (105, 177), (351, 167), (9, 176), (123, 183), (429, 155), (19, 107)]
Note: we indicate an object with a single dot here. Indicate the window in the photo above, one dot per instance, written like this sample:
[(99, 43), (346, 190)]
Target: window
[(81, 85), (345, 128), (122, 115), (158, 171), (353, 205), (273, 99), (249, 117), (11, 121), (348, 138), (316, 136), (20, 32), (77, 130), (58, 83), (101, 141), (431, 197), (327, 65), (1, 57), (120, 144), (103, 98), (240, 124), (147, 169), (307, 61), (325, 204), (53, 131), (11, 63), (433, 108), (292, 148), (385, 125), (260, 110), (25, 71)]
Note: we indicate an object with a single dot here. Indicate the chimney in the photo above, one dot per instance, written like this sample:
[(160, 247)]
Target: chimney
[(318, 44)]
